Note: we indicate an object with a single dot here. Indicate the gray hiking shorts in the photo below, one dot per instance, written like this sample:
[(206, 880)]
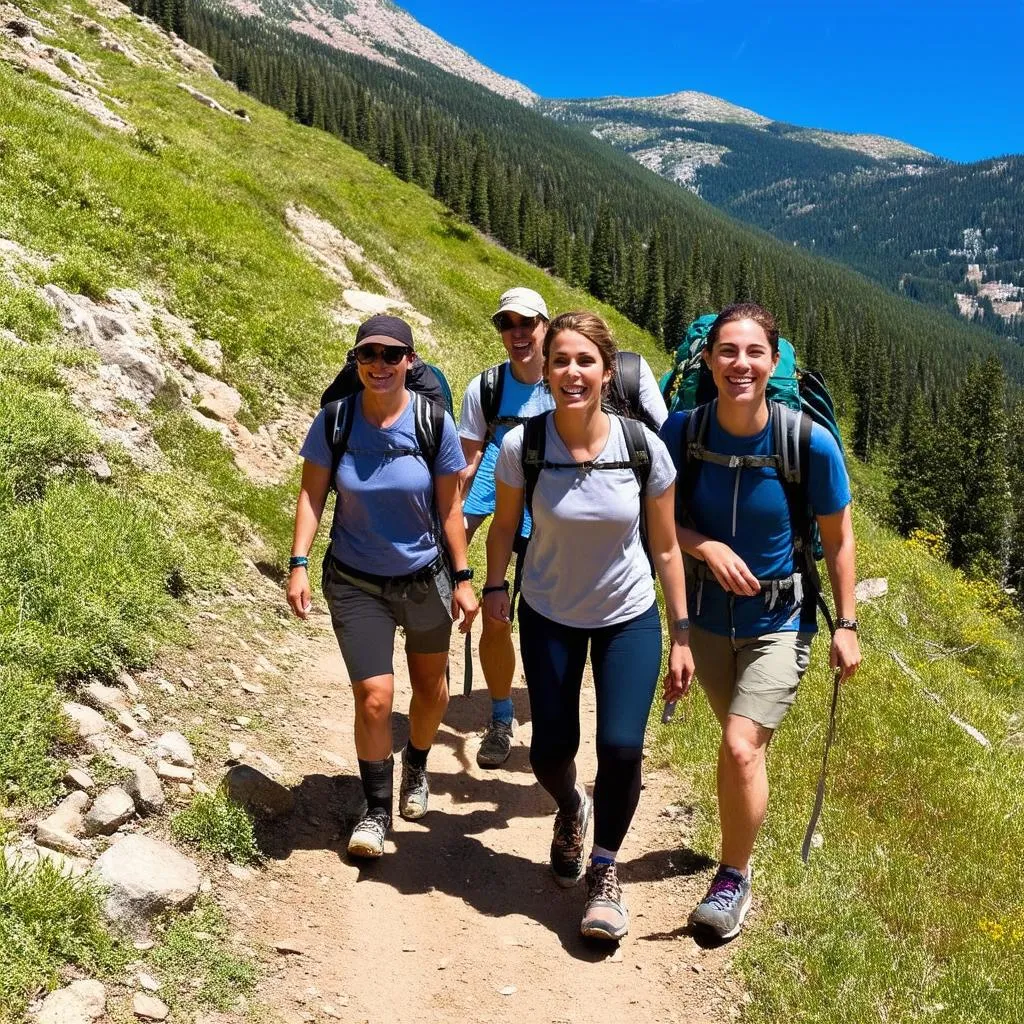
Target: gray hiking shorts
[(755, 677), (365, 617)]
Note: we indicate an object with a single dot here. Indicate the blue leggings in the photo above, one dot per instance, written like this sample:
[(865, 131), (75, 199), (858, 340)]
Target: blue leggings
[(626, 659)]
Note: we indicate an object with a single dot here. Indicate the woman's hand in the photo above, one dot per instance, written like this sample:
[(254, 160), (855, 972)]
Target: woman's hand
[(300, 598), (464, 601), (680, 671), (497, 605), (729, 569), (845, 653)]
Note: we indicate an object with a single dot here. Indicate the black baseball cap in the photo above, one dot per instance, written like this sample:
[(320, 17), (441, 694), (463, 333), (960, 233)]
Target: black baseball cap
[(380, 327)]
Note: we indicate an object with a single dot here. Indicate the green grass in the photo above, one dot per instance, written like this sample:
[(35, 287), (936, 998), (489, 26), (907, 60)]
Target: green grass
[(909, 910), (195, 965), (218, 825), (48, 921)]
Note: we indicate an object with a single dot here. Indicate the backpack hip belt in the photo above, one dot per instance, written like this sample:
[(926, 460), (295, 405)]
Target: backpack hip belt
[(773, 590), (380, 585)]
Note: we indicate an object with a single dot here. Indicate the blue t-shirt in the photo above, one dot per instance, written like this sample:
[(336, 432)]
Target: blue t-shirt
[(384, 515), (517, 399), (763, 536)]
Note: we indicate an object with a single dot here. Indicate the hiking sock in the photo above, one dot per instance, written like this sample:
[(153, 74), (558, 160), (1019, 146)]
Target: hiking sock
[(502, 711), (599, 855), (378, 783), (414, 757)]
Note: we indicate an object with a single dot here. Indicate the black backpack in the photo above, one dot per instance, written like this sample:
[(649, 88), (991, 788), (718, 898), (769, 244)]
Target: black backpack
[(623, 399), (534, 459)]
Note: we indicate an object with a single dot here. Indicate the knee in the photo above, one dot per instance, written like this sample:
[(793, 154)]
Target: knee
[(744, 752), (373, 707), (432, 691), (619, 758)]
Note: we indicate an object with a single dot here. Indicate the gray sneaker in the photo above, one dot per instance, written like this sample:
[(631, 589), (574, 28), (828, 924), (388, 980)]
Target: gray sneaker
[(413, 792), (496, 744), (567, 860), (605, 916), (367, 839), (725, 906)]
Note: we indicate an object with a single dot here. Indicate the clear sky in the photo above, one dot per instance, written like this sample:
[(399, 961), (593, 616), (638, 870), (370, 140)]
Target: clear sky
[(946, 76)]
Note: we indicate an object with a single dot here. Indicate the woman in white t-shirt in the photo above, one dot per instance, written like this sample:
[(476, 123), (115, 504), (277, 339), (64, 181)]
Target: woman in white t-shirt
[(587, 581)]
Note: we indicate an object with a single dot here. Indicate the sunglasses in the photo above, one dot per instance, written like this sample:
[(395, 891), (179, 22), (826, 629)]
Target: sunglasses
[(505, 323), (391, 354)]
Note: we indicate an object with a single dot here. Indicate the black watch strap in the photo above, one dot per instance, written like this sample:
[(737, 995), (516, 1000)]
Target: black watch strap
[(503, 585), (462, 575), (846, 624)]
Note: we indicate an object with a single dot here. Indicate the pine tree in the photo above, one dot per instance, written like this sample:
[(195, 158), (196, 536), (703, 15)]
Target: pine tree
[(402, 154), (652, 316), (602, 281), (479, 203)]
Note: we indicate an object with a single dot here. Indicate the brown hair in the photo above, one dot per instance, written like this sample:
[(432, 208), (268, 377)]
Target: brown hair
[(592, 327), (746, 311)]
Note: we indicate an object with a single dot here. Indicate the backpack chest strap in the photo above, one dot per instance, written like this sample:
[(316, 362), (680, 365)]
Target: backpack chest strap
[(695, 450)]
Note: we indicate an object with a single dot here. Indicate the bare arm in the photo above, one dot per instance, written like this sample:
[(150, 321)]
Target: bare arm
[(500, 538), (313, 490), (729, 569), (668, 564), (473, 452), (840, 558), (448, 498)]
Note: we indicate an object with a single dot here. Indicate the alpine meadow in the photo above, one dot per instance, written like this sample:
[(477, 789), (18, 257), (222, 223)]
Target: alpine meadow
[(197, 207)]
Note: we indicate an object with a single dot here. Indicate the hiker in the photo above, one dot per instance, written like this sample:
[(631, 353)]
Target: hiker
[(592, 480), (397, 557), (752, 612), (495, 401)]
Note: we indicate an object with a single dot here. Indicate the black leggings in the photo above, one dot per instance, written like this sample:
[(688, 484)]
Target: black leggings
[(626, 659)]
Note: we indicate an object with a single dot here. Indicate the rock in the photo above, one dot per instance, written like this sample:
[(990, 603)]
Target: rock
[(200, 97), (250, 787), (60, 830), (220, 401), (79, 778), (111, 809), (127, 681), (139, 736), (149, 983), (173, 747), (165, 686), (80, 1003), (144, 877), (27, 855), (871, 590), (269, 763), (240, 874), (87, 722), (507, 990), (817, 841), (237, 750), (174, 773), (127, 722), (60, 839), (98, 466), (104, 698), (149, 1007), (255, 689), (289, 946), (143, 786), (141, 712)]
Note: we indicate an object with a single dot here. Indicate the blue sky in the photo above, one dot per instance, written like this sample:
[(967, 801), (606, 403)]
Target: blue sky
[(946, 76)]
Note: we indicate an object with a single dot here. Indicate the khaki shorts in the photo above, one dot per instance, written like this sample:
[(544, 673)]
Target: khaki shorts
[(755, 677)]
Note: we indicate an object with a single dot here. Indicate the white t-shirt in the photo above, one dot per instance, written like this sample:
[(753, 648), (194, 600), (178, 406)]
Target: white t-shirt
[(586, 566)]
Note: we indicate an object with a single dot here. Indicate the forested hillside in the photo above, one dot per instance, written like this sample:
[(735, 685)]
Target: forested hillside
[(912, 222), (598, 220)]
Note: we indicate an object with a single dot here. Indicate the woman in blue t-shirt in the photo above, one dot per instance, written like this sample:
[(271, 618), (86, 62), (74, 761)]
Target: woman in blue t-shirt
[(385, 567), (751, 630)]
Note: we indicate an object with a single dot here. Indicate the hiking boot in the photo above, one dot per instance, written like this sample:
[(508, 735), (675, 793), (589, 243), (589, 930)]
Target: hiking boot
[(413, 792), (496, 744), (567, 861), (725, 906), (367, 839), (605, 916)]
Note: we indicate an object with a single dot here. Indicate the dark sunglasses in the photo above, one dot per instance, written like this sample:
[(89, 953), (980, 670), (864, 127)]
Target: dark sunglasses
[(505, 323), (391, 354)]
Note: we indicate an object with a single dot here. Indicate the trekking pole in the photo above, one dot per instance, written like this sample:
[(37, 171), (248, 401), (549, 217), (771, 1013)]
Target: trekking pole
[(819, 797), (467, 671)]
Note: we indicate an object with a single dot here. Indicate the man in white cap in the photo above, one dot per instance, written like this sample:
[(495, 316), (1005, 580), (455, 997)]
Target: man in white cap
[(495, 401)]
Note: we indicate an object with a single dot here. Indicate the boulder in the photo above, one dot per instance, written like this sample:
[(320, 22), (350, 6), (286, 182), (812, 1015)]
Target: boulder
[(79, 778), (220, 401), (27, 855), (104, 698), (60, 830), (870, 590), (144, 877), (251, 788), (149, 1007), (173, 747), (143, 786), (81, 1002), (110, 810), (87, 721), (173, 772)]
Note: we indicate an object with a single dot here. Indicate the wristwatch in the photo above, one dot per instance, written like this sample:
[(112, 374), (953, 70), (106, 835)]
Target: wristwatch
[(462, 576), (846, 624)]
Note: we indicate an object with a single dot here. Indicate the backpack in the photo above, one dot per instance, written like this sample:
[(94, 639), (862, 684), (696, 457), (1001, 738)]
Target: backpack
[(432, 396), (534, 460), (623, 399)]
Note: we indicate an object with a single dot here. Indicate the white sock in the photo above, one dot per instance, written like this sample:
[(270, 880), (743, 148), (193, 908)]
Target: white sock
[(600, 853)]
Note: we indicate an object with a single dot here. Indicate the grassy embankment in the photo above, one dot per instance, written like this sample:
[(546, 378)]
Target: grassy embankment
[(189, 210)]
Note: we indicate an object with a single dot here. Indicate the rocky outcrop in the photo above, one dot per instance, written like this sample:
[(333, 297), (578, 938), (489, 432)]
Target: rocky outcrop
[(81, 1002), (110, 810)]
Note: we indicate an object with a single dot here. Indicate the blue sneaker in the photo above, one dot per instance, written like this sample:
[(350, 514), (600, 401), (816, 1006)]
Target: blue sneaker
[(725, 906)]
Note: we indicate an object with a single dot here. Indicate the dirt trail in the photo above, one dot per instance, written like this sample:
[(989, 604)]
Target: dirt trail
[(462, 906)]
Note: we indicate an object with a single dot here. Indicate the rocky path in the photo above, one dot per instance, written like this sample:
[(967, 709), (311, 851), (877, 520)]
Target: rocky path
[(460, 921)]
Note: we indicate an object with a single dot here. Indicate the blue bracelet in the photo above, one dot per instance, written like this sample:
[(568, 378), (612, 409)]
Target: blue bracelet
[(298, 561)]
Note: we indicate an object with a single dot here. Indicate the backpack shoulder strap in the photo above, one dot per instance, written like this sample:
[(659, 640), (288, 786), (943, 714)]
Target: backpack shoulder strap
[(338, 418), (492, 384), (691, 447), (429, 420), (535, 434), (791, 434), (635, 435), (627, 380)]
